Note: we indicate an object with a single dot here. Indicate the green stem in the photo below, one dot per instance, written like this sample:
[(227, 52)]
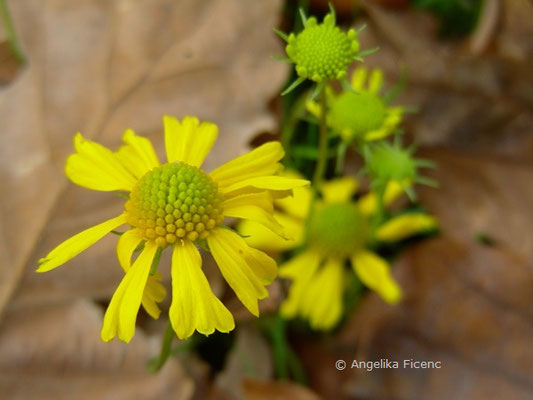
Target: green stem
[(322, 143), (11, 34), (280, 348), (156, 364), (341, 154)]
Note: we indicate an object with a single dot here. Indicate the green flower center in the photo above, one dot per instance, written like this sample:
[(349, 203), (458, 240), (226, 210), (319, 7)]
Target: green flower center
[(322, 51), (356, 113), (337, 229), (173, 201), (390, 162)]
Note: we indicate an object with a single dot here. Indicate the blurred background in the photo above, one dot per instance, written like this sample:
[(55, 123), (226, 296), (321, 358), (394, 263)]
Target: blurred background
[(100, 66)]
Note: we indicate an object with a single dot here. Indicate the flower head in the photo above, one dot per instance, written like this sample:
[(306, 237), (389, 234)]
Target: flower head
[(362, 113), (175, 205), (339, 232), (385, 162), (321, 51)]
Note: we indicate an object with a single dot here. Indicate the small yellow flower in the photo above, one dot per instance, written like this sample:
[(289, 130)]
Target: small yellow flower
[(360, 114), (175, 205), (338, 229)]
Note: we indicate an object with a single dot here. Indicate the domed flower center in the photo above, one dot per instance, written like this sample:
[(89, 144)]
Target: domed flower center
[(174, 201), (337, 229), (391, 162), (322, 51), (357, 113)]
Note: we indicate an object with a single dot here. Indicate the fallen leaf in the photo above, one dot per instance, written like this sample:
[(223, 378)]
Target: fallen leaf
[(55, 352)]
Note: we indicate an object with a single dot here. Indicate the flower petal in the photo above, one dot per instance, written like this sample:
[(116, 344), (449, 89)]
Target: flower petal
[(339, 190), (374, 272), (189, 141), (73, 246), (194, 306), (403, 226), (256, 207), (266, 183), (262, 161), (375, 82), (296, 205), (138, 155), (95, 167), (368, 204), (245, 269), (359, 78), (121, 313), (322, 301), (300, 267), (257, 236), (127, 243), (154, 292)]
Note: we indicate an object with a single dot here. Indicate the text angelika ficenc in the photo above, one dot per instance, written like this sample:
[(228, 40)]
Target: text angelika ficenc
[(385, 363)]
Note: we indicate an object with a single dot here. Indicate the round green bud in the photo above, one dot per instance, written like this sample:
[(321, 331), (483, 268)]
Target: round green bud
[(387, 162), (354, 114), (163, 203), (337, 229), (322, 51)]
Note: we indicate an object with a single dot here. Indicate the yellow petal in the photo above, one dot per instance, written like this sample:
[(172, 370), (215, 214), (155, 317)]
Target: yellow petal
[(121, 313), (189, 140), (245, 269), (262, 161), (339, 190), (301, 270), (403, 226), (194, 306), (322, 301), (300, 267), (313, 108), (374, 272), (296, 205), (138, 155), (256, 207), (375, 82), (95, 167), (266, 183), (73, 246), (154, 292), (257, 236), (127, 242), (359, 78), (368, 204)]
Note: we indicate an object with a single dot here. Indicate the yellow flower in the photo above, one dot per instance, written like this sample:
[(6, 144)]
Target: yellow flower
[(175, 205), (360, 114), (338, 230)]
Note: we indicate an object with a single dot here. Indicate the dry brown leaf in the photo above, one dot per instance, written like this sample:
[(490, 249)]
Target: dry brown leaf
[(54, 352), (261, 390), (100, 67), (484, 102), (250, 357)]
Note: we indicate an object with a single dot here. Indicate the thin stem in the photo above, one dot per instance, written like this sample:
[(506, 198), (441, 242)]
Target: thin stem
[(10, 32), (322, 143), (156, 364), (341, 154), (280, 348)]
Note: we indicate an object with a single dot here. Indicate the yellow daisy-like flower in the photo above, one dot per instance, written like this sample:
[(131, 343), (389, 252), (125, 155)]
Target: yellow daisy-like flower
[(338, 229), (175, 205), (360, 114)]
